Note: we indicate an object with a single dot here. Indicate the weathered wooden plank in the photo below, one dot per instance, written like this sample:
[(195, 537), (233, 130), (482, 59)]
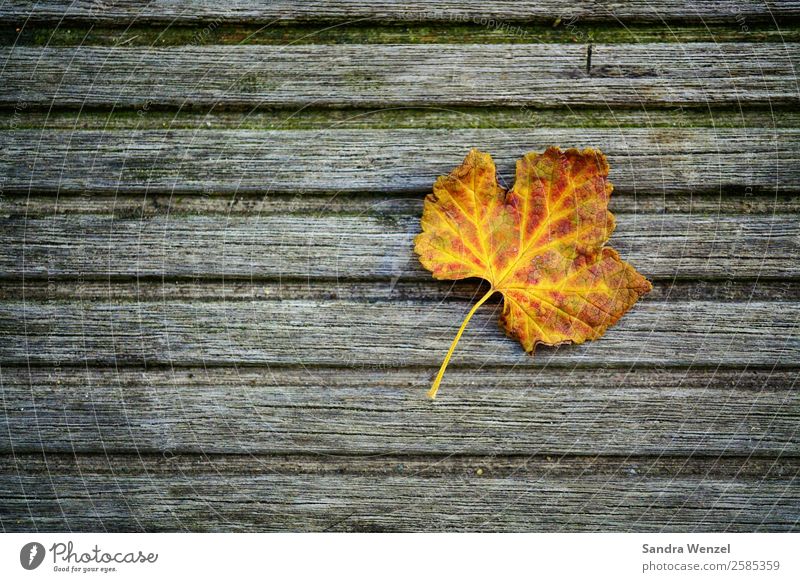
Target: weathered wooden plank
[(377, 411), (122, 206), (245, 493), (402, 75), (361, 245), (382, 334), (643, 160), (189, 289), (488, 13)]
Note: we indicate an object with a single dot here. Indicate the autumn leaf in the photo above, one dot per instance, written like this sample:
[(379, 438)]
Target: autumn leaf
[(542, 245)]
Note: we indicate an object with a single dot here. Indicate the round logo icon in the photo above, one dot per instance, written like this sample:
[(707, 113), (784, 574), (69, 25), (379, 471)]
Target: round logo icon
[(31, 555)]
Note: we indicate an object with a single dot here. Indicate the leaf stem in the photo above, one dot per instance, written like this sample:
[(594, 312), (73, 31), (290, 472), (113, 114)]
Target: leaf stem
[(435, 387)]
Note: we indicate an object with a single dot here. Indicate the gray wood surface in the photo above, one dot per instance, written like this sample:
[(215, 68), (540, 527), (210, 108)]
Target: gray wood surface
[(644, 160), (377, 410), (245, 493), (731, 200), (212, 319), (371, 243), (170, 11), (403, 75), (375, 289), (382, 334)]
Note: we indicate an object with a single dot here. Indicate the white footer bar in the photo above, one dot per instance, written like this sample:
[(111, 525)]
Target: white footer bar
[(376, 557)]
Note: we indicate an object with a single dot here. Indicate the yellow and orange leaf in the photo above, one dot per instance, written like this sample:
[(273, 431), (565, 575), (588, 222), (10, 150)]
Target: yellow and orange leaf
[(542, 245)]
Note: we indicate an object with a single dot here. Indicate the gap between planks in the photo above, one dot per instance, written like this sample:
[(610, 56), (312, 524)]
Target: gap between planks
[(565, 31), (150, 116)]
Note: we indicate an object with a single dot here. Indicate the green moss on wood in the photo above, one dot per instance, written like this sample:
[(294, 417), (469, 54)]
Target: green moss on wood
[(216, 33), (399, 118)]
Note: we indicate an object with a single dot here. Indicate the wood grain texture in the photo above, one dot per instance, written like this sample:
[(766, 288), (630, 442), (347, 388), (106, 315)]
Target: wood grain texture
[(643, 160), (376, 242), (369, 410), (382, 334), (166, 11), (403, 75), (153, 204), (377, 289), (245, 493), (212, 318)]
